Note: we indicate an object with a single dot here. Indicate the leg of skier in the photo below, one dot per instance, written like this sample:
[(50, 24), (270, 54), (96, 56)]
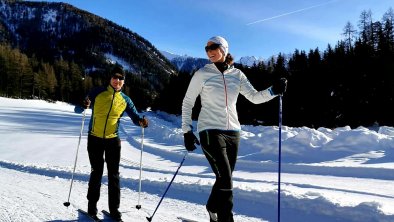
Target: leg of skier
[(112, 158), (96, 152), (221, 149)]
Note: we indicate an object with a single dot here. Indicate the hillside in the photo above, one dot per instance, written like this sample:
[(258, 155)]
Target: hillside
[(53, 32)]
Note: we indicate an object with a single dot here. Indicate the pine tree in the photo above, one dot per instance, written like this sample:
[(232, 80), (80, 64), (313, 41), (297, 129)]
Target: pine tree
[(350, 35)]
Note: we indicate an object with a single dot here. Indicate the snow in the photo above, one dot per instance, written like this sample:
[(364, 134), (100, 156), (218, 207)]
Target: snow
[(340, 174), (113, 59), (249, 60), (170, 56), (50, 16)]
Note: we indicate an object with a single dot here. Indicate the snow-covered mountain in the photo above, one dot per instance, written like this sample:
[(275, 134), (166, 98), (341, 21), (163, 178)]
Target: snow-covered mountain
[(170, 56), (51, 30), (249, 61), (185, 63), (341, 174), (189, 64)]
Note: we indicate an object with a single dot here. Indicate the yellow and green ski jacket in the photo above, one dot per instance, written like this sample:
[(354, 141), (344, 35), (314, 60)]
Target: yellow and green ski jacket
[(108, 106)]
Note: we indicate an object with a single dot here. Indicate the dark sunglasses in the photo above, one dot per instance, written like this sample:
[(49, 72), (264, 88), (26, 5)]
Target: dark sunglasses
[(212, 47), (118, 77)]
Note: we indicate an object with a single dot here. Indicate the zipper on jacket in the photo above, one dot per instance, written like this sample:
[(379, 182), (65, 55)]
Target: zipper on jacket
[(225, 95), (109, 111)]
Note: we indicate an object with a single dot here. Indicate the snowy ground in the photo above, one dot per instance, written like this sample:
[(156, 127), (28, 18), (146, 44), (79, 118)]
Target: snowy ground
[(327, 175)]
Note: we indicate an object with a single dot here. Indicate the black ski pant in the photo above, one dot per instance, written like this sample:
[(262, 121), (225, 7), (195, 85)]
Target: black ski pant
[(101, 150), (221, 149)]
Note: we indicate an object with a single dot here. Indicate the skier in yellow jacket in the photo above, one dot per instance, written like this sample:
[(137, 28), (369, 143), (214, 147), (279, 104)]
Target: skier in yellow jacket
[(108, 104)]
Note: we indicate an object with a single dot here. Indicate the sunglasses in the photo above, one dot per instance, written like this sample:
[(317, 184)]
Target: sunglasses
[(118, 77), (212, 47)]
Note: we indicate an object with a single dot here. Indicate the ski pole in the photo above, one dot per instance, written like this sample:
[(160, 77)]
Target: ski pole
[(280, 153), (168, 187), (76, 158), (139, 186)]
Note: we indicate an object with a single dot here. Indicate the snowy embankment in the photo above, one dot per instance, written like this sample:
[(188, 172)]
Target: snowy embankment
[(328, 175)]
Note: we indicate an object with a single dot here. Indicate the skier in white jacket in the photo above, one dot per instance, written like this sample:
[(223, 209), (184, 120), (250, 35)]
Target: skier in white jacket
[(219, 85)]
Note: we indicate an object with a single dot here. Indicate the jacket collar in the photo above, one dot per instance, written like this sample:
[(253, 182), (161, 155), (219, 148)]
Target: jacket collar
[(213, 68), (111, 89)]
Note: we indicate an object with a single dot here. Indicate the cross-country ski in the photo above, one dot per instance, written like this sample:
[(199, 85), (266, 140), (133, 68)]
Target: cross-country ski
[(107, 214), (183, 219), (91, 217)]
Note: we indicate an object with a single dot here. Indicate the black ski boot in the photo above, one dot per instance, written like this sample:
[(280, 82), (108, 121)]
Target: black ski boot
[(213, 217)]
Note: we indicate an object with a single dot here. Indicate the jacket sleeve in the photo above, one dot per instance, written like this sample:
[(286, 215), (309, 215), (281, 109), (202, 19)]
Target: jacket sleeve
[(194, 89), (252, 94), (132, 111), (93, 94)]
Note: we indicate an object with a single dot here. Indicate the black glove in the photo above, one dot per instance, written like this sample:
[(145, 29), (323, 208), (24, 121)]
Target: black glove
[(144, 122), (190, 139), (279, 86), (86, 103)]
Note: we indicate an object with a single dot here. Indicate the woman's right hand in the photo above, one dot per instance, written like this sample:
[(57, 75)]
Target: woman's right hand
[(190, 139)]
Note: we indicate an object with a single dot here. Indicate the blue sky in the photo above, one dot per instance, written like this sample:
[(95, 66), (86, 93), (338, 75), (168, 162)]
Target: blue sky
[(260, 28)]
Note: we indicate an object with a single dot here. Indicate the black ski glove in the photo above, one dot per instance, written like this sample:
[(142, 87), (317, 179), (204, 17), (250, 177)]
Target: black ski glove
[(279, 86), (144, 122), (86, 103), (190, 139)]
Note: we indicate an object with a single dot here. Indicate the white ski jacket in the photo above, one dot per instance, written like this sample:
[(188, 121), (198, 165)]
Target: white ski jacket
[(219, 93)]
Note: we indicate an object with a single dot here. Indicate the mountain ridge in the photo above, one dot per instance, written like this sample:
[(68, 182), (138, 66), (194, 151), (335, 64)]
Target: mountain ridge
[(186, 63), (62, 31)]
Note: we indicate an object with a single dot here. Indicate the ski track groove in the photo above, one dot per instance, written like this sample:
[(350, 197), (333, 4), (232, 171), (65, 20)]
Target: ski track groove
[(20, 211), (84, 177)]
